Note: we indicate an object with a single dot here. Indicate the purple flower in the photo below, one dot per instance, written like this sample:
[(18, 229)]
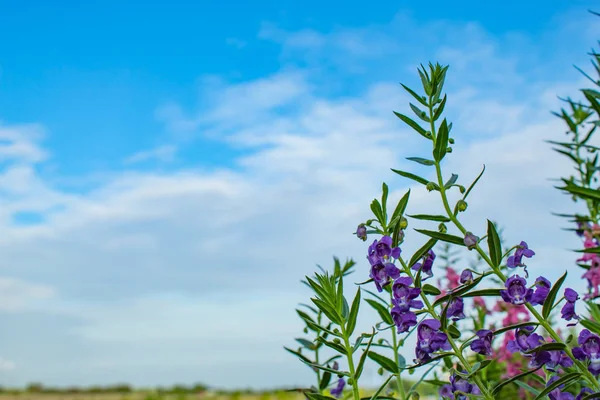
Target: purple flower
[(516, 260), (461, 387), (466, 276), (589, 349), (558, 357), (542, 288), (430, 339), (337, 391), (584, 392), (382, 269), (568, 310), (456, 309), (404, 320), (526, 342), (381, 274), (361, 232), (445, 392), (557, 394), (471, 240), (483, 345), (426, 265), (404, 295), (516, 290)]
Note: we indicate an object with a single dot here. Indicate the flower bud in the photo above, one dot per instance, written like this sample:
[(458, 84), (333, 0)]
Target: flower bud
[(442, 228), (403, 224), (471, 240), (350, 381), (361, 232), (415, 396), (336, 331), (305, 330), (380, 371), (461, 205), (451, 140), (449, 150), (337, 341), (430, 186)]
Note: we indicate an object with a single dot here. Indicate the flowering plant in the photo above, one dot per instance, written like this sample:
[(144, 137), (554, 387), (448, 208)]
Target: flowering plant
[(460, 342)]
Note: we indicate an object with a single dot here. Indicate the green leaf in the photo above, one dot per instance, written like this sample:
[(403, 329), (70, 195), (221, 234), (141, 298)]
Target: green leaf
[(378, 211), (415, 95), (412, 124), (474, 183), (327, 310), (494, 245), (441, 142), (400, 208), (306, 343), (317, 396), (299, 355), (547, 347), (353, 314), (563, 380), (549, 303), (438, 112), (414, 177), (332, 345), (430, 289), (453, 331), (451, 181), (422, 161), (527, 387), (582, 192), (384, 197), (444, 237), (593, 250), (419, 113), (325, 379), (376, 394), (459, 291), (382, 311), (383, 361), (363, 357), (499, 386), (479, 366), (516, 326), (483, 293), (438, 218), (591, 325), (422, 251)]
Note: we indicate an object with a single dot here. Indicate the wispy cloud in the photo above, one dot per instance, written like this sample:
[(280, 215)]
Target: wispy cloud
[(148, 265)]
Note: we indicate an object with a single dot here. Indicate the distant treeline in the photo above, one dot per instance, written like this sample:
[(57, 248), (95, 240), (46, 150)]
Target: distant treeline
[(117, 388)]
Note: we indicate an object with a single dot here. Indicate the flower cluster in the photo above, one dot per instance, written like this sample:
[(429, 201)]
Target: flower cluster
[(516, 260), (568, 310), (380, 255), (430, 340), (458, 389), (528, 343), (403, 301)]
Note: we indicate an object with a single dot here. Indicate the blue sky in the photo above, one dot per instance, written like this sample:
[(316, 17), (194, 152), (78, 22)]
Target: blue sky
[(170, 170)]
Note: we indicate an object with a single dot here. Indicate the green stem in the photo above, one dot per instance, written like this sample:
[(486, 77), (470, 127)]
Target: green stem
[(351, 364), (398, 376)]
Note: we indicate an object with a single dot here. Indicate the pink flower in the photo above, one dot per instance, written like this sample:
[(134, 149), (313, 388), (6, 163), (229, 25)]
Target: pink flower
[(593, 277), (453, 278)]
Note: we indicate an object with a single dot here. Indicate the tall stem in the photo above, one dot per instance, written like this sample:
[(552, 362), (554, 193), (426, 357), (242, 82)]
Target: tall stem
[(351, 364), (396, 360)]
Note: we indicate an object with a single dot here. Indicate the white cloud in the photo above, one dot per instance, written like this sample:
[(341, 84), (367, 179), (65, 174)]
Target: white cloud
[(164, 153), (181, 268)]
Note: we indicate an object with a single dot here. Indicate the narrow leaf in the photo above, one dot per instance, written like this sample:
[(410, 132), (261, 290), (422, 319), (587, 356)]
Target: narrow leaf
[(438, 218), (353, 313), (414, 177), (444, 237), (549, 303), (494, 245), (383, 361), (422, 161), (412, 124)]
